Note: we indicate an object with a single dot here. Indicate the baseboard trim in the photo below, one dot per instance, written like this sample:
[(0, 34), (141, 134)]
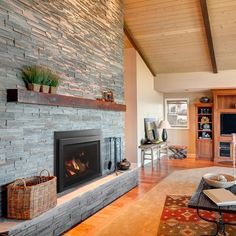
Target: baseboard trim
[(191, 155)]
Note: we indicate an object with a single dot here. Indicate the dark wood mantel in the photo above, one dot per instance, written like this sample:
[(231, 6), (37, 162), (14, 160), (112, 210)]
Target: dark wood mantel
[(30, 97)]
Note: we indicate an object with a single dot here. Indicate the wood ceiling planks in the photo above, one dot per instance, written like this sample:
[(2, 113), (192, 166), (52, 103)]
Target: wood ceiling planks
[(128, 38), (223, 23), (171, 34)]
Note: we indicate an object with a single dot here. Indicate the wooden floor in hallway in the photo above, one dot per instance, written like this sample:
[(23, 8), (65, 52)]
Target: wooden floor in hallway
[(149, 177)]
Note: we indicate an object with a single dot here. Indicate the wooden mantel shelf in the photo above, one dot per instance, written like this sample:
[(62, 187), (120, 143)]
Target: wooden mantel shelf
[(30, 97)]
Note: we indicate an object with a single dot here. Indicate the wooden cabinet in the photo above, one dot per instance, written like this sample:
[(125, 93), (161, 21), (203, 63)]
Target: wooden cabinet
[(204, 131), (215, 123), (204, 149), (224, 106)]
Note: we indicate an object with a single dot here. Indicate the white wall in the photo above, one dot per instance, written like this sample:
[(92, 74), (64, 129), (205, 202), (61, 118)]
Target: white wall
[(142, 101), (173, 85), (186, 137), (149, 101), (130, 71), (195, 81)]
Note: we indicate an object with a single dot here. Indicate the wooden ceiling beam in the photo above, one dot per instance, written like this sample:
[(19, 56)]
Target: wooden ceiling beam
[(209, 34), (131, 39)]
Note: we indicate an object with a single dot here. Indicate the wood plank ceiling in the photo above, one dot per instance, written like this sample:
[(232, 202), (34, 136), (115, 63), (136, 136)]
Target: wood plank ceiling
[(223, 26), (171, 34)]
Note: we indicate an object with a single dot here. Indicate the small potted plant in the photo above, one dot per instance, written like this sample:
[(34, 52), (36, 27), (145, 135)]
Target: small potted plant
[(46, 82), (54, 82), (38, 78), (33, 77)]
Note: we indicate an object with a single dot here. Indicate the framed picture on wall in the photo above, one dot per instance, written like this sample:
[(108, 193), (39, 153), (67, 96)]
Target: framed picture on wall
[(177, 112)]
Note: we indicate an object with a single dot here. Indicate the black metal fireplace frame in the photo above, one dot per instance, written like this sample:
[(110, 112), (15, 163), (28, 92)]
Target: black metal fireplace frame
[(77, 136)]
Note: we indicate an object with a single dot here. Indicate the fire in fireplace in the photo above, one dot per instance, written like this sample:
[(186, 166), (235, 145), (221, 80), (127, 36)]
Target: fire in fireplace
[(77, 157), (76, 166)]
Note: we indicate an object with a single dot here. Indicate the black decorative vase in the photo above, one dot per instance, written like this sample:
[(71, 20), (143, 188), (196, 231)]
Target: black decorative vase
[(204, 99), (124, 164), (164, 135)]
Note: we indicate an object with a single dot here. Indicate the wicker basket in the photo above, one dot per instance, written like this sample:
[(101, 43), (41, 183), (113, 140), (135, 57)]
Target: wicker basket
[(30, 197)]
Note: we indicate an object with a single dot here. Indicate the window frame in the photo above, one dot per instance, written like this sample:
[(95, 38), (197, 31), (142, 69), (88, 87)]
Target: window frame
[(166, 111)]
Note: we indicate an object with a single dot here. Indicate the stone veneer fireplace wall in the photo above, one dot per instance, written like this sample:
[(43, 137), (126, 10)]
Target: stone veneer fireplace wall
[(83, 41)]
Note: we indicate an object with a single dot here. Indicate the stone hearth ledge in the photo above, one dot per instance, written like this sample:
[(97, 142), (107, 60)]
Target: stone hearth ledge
[(74, 207)]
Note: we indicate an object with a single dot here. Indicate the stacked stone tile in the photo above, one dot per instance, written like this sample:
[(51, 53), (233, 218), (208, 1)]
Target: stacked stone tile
[(82, 40), (61, 218)]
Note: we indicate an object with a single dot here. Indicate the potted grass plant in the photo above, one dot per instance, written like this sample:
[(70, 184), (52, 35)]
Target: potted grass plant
[(46, 82), (38, 78), (54, 78), (33, 77)]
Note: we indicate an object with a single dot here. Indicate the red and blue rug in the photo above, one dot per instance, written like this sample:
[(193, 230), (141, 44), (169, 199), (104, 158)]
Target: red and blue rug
[(179, 220)]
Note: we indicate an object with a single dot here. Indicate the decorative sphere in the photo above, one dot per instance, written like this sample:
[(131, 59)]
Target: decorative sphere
[(221, 178)]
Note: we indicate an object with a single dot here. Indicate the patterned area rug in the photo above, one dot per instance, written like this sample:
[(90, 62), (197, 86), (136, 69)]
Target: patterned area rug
[(142, 217), (177, 219)]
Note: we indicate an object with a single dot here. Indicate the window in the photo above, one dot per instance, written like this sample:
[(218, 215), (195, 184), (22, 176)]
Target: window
[(176, 112)]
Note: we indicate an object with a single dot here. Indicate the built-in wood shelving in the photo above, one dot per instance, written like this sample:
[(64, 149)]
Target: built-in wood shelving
[(227, 110), (204, 136), (30, 97), (224, 103)]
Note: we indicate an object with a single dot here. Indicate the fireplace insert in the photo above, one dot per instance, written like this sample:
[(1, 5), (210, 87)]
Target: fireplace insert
[(77, 157)]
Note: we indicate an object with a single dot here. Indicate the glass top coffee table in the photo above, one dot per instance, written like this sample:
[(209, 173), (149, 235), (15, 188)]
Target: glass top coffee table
[(200, 201)]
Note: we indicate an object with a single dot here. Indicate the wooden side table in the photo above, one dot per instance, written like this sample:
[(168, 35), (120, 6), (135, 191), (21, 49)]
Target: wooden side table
[(164, 148), (148, 151)]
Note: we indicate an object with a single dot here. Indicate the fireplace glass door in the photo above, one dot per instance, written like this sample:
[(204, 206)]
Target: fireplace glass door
[(77, 157), (81, 162)]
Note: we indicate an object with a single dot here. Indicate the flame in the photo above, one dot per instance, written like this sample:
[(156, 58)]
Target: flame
[(72, 167)]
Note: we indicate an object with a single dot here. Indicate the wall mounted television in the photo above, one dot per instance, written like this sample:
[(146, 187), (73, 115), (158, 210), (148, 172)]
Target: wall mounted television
[(227, 124)]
